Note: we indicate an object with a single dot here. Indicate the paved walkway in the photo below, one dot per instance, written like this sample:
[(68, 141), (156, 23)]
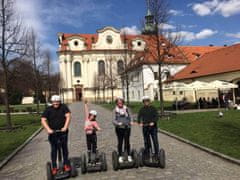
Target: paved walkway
[(183, 161)]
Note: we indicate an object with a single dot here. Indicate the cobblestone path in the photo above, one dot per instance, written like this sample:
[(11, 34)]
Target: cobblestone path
[(183, 161)]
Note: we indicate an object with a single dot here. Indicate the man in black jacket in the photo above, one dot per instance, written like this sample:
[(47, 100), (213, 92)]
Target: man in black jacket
[(147, 118), (57, 118)]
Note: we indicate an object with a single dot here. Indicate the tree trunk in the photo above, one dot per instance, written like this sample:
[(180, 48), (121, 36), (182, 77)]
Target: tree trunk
[(6, 100), (127, 88), (160, 59)]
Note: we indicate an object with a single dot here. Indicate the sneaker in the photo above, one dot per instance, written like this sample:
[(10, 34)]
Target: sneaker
[(120, 159), (54, 171), (130, 159), (67, 168)]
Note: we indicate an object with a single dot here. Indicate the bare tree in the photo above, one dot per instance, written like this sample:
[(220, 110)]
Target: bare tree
[(163, 42), (125, 74), (34, 54), (47, 67), (12, 45)]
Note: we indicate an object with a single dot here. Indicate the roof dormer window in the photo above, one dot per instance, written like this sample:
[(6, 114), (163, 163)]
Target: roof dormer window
[(109, 39), (75, 43)]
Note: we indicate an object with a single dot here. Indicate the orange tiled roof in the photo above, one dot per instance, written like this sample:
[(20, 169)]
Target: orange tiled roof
[(194, 52), (223, 60)]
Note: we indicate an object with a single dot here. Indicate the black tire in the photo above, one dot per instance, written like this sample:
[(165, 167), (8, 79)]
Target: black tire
[(162, 158), (140, 157), (76, 161), (115, 160), (104, 162), (73, 172), (84, 164), (135, 158), (49, 171)]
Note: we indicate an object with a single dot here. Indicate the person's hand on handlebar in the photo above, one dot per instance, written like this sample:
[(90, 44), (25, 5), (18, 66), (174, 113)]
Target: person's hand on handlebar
[(120, 123), (151, 124), (50, 131), (141, 124), (85, 101), (64, 129)]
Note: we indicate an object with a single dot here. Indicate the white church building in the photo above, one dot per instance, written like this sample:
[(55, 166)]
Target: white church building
[(91, 65)]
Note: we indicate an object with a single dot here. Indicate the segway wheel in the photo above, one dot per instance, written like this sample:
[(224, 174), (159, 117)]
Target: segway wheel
[(73, 172), (84, 164), (140, 157), (115, 160), (135, 158), (49, 171), (162, 158), (104, 162)]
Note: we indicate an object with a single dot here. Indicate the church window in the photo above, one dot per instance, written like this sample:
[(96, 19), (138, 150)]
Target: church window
[(120, 66), (101, 67), (75, 43), (109, 39), (77, 69)]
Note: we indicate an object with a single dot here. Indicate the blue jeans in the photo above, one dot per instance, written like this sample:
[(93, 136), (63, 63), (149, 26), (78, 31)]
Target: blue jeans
[(54, 139), (151, 133)]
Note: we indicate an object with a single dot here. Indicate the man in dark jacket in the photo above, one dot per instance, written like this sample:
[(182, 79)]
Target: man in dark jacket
[(57, 118), (147, 118)]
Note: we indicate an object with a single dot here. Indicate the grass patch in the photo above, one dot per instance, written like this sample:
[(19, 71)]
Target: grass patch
[(10, 140), (22, 107), (206, 129), (135, 106)]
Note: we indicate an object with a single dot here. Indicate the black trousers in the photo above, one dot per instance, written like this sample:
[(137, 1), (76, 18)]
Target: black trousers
[(92, 142), (123, 135), (151, 133), (55, 140)]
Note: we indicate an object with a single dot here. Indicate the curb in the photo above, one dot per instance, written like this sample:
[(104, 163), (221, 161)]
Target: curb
[(210, 151), (8, 158)]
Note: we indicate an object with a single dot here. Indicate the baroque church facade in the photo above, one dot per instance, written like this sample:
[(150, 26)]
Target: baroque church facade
[(91, 64)]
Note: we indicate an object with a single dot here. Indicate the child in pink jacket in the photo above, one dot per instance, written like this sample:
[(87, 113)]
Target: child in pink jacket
[(91, 126)]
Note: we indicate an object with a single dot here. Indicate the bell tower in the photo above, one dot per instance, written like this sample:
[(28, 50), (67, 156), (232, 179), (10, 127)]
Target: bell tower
[(149, 25)]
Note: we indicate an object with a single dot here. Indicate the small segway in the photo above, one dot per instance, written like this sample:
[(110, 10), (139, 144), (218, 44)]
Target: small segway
[(61, 174), (93, 163), (125, 164), (151, 159)]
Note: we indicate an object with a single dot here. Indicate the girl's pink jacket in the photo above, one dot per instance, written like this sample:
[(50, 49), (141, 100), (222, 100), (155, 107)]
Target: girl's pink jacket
[(90, 126)]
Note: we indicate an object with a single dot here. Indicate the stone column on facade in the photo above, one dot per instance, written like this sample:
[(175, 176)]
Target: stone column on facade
[(69, 78)]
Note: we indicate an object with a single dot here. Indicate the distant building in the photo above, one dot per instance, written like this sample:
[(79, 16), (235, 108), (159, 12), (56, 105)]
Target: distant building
[(222, 64)]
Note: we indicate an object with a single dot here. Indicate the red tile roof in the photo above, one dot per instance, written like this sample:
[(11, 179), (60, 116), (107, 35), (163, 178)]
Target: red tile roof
[(194, 52), (223, 60)]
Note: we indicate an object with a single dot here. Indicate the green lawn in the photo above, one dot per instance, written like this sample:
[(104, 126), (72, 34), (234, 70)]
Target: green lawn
[(23, 107), (135, 106), (11, 140), (206, 129)]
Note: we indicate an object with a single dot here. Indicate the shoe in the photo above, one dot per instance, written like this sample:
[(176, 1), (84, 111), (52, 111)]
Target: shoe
[(54, 171), (67, 168), (130, 159), (120, 159)]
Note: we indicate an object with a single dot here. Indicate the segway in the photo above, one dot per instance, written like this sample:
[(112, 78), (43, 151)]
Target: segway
[(125, 164), (61, 174), (150, 158), (95, 162)]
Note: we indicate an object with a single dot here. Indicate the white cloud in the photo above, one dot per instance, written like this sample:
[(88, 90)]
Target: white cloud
[(236, 35), (225, 8), (165, 26), (133, 30), (175, 12), (190, 36), (205, 33)]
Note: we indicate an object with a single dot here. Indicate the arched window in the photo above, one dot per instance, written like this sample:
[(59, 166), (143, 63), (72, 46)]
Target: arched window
[(77, 69), (101, 67), (120, 66)]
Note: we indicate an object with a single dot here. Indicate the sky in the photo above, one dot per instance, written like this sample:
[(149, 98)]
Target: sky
[(199, 22)]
